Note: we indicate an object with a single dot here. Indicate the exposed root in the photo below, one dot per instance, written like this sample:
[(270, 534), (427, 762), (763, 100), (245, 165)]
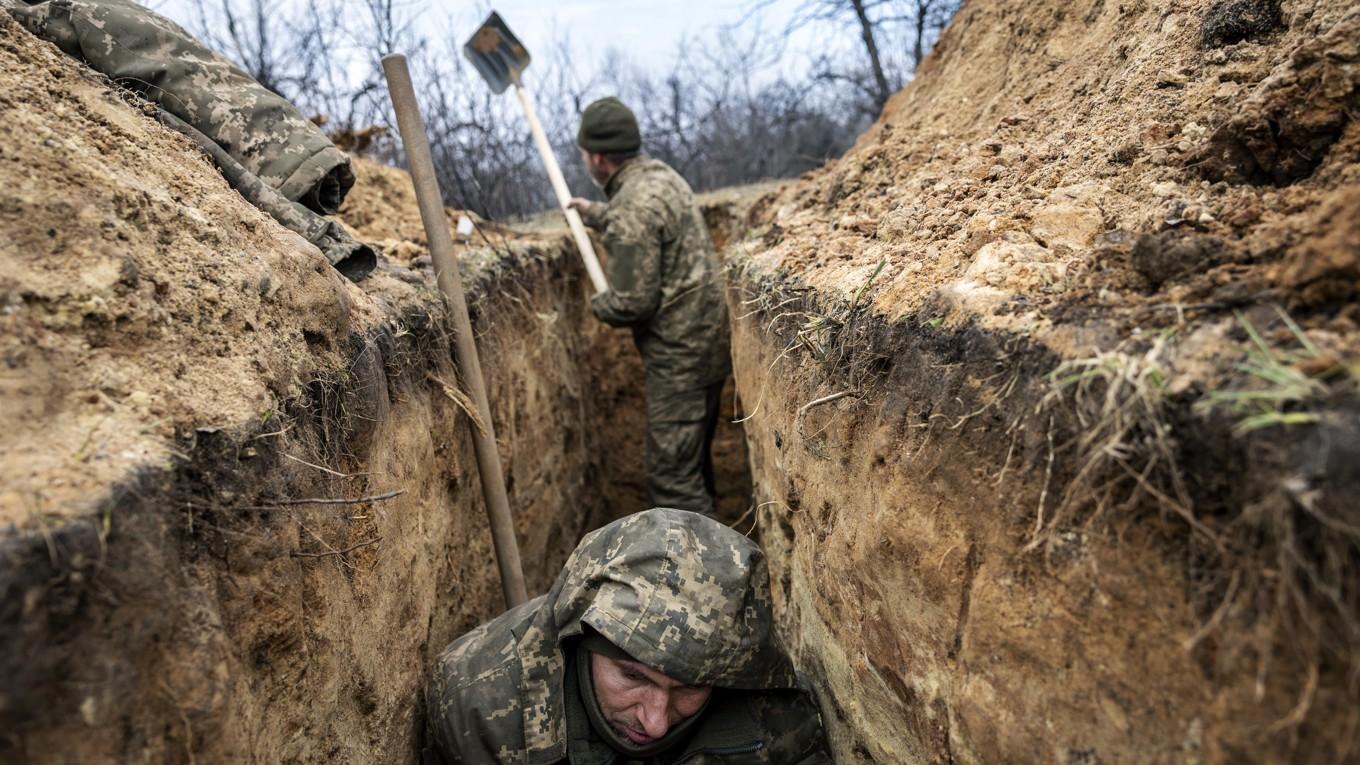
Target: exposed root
[(1217, 618), (1036, 534), (463, 401), (324, 501), (1300, 711), (1118, 400), (328, 553), (324, 469), (814, 449)]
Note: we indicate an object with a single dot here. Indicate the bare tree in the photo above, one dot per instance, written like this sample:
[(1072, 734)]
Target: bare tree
[(266, 38), (926, 19), (724, 113), (866, 33), (874, 22), (865, 16)]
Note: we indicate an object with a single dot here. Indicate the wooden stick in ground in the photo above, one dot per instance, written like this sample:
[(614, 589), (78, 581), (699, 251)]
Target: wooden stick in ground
[(559, 184), (431, 203)]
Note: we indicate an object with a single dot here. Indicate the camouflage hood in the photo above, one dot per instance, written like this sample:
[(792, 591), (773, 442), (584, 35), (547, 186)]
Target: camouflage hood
[(678, 591)]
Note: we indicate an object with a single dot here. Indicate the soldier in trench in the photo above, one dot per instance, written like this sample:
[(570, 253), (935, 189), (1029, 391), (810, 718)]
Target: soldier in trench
[(654, 645), (664, 284)]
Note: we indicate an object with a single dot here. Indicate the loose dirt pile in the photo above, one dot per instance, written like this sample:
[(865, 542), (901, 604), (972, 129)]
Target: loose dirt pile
[(135, 315), (1051, 160), (1054, 382)]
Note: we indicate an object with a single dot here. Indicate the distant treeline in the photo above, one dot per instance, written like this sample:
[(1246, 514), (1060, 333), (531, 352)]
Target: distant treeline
[(728, 112)]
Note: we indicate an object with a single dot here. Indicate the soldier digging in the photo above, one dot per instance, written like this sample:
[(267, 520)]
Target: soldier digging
[(664, 284)]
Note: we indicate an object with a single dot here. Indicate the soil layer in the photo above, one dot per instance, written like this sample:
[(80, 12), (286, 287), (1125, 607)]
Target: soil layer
[(1053, 392)]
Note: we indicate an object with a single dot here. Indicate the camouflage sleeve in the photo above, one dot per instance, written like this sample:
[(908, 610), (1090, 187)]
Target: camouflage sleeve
[(472, 701), (633, 239), (455, 732)]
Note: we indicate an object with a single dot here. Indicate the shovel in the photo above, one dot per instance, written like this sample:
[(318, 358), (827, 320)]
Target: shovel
[(501, 59)]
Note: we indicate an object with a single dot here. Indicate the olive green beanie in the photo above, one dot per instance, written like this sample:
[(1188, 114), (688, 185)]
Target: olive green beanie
[(609, 127)]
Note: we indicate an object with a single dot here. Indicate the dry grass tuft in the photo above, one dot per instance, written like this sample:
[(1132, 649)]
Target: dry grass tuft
[(1123, 446)]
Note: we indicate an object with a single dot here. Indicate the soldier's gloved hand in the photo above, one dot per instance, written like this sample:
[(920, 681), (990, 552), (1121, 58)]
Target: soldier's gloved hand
[(579, 204)]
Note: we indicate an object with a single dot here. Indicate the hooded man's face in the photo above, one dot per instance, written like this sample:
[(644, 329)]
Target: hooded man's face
[(639, 702)]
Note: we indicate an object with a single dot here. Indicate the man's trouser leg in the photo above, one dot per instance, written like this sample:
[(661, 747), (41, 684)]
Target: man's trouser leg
[(680, 428)]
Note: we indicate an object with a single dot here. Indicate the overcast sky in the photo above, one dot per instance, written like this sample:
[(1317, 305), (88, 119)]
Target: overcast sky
[(647, 31)]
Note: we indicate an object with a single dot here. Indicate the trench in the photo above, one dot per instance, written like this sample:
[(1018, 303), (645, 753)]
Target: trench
[(214, 611), (241, 513), (252, 511), (211, 612)]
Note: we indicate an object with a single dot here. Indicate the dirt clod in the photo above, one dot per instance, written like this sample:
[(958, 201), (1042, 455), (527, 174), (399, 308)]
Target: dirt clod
[(1288, 124), (1232, 21), (1166, 255)]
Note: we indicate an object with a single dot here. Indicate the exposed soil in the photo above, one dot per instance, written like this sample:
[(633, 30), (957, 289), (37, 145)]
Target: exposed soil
[(1040, 142), (1001, 357), (108, 297), (183, 380), (1049, 390)]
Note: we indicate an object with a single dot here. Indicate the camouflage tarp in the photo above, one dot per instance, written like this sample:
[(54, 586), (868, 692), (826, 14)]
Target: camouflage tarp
[(151, 55)]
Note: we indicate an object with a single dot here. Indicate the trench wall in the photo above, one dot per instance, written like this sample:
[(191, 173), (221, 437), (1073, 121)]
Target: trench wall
[(197, 615), (897, 486)]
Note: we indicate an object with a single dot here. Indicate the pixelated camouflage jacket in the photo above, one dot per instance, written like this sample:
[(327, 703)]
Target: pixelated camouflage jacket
[(665, 281), (676, 590), (154, 57)]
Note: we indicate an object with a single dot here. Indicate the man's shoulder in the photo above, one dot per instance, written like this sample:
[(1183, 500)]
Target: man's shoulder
[(474, 697), (483, 654), (653, 180)]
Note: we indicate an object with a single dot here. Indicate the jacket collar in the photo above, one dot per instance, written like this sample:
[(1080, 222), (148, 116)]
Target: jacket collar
[(627, 169)]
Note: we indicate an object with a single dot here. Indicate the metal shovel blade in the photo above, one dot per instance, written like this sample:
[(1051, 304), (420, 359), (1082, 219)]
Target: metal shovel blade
[(497, 53)]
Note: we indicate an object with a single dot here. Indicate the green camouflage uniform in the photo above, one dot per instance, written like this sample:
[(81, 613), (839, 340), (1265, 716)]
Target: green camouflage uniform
[(678, 592), (266, 148), (666, 285)]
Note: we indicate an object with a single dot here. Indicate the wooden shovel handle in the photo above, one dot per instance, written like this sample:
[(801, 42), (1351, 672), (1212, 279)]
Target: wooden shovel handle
[(421, 165), (559, 184)]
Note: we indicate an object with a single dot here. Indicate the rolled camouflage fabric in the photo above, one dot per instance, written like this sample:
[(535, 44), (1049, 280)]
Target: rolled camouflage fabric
[(676, 591), (153, 56), (353, 259)]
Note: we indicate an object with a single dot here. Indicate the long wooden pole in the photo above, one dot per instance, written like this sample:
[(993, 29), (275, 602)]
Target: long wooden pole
[(431, 202), (559, 184)]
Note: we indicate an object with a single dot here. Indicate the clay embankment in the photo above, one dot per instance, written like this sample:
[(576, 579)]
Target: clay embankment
[(1053, 392)]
